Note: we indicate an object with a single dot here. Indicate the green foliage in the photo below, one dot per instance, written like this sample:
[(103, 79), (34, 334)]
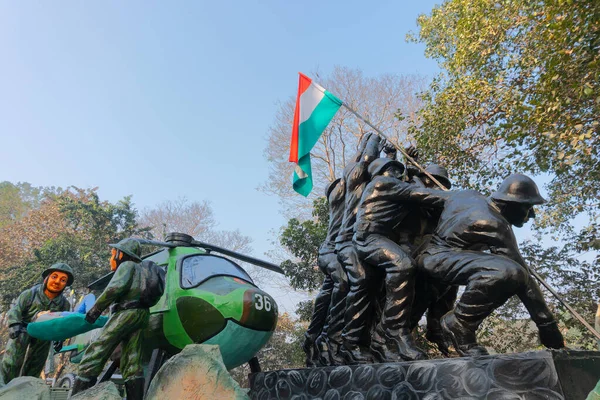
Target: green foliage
[(76, 227), (302, 240), (16, 200), (304, 310), (520, 92)]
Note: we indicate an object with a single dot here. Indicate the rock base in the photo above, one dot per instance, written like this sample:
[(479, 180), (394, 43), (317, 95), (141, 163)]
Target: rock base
[(102, 391), (196, 373), (25, 387), (554, 375)]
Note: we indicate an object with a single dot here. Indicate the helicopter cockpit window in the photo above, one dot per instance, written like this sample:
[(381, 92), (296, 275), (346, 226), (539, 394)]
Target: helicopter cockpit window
[(197, 269)]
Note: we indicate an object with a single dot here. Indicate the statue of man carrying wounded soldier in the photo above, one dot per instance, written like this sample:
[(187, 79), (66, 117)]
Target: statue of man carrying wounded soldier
[(423, 242)]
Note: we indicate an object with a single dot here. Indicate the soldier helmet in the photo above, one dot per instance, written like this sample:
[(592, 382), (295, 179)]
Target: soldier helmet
[(440, 173), (380, 165), (60, 267), (331, 186), (518, 188), (129, 246)]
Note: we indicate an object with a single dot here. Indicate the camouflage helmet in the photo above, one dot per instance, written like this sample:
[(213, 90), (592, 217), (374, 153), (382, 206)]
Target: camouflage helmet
[(60, 267), (440, 173), (332, 186), (380, 165), (129, 246), (518, 188)]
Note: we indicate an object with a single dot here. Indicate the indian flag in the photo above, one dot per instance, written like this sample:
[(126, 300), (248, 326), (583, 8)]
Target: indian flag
[(315, 108)]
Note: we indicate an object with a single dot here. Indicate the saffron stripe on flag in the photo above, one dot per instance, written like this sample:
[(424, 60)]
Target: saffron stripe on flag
[(303, 85)]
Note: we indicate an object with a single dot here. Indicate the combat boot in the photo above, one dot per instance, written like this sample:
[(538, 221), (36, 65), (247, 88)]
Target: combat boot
[(321, 355), (437, 338), (134, 388), (82, 384), (380, 350), (308, 346), (550, 335), (407, 348), (352, 354), (461, 336), (333, 353)]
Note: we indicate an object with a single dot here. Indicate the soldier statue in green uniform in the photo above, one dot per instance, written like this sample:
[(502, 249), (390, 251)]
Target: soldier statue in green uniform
[(46, 296), (129, 316)]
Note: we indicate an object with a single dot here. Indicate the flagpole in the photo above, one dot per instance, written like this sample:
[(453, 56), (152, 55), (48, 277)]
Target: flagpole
[(409, 158)]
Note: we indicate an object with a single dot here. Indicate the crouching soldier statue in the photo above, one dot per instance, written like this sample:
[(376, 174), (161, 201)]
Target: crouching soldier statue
[(46, 296), (131, 291), (474, 245)]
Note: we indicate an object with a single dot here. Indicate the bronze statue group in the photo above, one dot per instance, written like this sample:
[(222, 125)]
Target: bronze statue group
[(130, 294), (398, 246)]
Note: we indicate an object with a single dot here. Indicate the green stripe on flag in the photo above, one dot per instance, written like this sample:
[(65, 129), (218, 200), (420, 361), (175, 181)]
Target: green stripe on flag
[(309, 133)]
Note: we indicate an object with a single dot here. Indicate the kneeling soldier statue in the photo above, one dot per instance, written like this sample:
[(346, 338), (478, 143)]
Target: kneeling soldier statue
[(474, 245), (43, 297)]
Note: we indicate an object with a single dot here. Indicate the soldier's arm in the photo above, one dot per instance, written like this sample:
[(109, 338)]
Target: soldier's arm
[(501, 240), (372, 149), (424, 196), (15, 314), (361, 146), (117, 287), (401, 191)]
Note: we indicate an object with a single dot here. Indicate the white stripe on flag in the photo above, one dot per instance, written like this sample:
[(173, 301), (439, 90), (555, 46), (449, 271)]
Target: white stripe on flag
[(301, 174), (309, 100)]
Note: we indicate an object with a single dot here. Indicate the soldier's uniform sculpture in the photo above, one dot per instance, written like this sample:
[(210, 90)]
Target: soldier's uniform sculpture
[(129, 316), (43, 297), (474, 245), (327, 320), (358, 304), (381, 243), (436, 299)]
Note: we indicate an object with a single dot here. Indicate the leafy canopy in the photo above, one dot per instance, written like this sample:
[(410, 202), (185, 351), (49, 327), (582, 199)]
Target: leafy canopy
[(520, 91)]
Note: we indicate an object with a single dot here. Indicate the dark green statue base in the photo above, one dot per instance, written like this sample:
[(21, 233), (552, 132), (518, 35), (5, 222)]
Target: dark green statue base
[(554, 375)]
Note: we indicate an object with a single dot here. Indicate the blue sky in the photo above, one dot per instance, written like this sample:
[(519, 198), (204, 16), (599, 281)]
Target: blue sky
[(167, 99)]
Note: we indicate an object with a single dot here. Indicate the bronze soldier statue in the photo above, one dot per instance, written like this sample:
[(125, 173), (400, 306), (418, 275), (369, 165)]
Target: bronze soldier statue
[(47, 296), (129, 292), (327, 320), (474, 245), (436, 299), (382, 243), (356, 177)]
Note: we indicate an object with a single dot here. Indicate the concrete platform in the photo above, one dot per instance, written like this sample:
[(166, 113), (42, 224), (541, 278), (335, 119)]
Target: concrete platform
[(554, 375)]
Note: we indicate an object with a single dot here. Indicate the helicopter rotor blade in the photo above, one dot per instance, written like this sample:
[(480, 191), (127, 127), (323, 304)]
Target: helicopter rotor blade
[(239, 256), (156, 243)]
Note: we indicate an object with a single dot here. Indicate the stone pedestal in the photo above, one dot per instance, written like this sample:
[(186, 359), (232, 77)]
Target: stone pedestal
[(568, 375)]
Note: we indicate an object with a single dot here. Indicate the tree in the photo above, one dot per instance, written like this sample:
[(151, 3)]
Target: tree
[(520, 91), (193, 218), (376, 98), (197, 220), (302, 240), (16, 200), (73, 227)]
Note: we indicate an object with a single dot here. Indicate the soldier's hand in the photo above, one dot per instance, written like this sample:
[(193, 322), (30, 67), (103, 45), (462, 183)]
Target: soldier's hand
[(57, 346), (92, 315), (550, 336), (412, 152), (15, 330), (389, 149)]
